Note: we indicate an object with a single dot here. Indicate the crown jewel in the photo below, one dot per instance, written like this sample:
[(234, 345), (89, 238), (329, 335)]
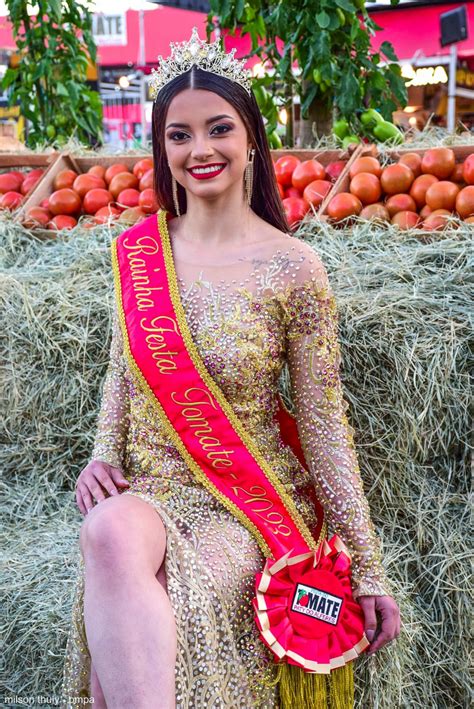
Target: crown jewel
[(206, 56)]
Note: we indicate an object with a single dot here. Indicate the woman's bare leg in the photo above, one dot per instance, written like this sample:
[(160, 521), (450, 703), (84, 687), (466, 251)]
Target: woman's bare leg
[(129, 621), (95, 686)]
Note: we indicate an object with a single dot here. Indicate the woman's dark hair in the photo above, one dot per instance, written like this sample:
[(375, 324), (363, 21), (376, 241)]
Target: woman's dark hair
[(266, 200)]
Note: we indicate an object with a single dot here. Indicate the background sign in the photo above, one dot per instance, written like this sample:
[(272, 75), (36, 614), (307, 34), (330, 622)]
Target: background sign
[(109, 29)]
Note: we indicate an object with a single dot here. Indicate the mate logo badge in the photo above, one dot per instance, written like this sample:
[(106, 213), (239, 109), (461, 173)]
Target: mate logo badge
[(316, 603)]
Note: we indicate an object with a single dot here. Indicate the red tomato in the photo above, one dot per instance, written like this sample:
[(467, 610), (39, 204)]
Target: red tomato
[(10, 182), (435, 222), (413, 161), (284, 168), (420, 187), (115, 170), (316, 191), (306, 172), (35, 173), (465, 202), (146, 182), (45, 203), (457, 173), (62, 221), (132, 215), (106, 214), (128, 197), (86, 182), (406, 220), (439, 162), (65, 201), (344, 205), (396, 178), (442, 195), (97, 171), (366, 186), (292, 192), (28, 183), (96, 199), (375, 212), (11, 200), (281, 190), (468, 169), (295, 208), (65, 178), (142, 166), (20, 175), (148, 202), (334, 169), (37, 217), (366, 164), (122, 181), (400, 203)]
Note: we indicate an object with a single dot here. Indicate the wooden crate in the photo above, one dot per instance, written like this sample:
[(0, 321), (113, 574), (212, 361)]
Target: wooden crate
[(342, 185), (22, 160), (67, 161)]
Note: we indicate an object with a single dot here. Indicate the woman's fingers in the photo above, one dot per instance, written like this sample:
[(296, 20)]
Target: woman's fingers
[(97, 477), (80, 502), (389, 622), (86, 497), (118, 477), (367, 604)]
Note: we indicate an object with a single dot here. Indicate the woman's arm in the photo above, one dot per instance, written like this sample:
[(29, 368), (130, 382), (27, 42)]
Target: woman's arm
[(326, 436), (113, 418)]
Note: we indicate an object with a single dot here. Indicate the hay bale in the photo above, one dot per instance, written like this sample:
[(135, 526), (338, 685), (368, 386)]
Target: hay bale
[(404, 330)]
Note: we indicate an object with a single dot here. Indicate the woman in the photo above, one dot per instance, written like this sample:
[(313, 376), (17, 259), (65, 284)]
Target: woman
[(163, 612)]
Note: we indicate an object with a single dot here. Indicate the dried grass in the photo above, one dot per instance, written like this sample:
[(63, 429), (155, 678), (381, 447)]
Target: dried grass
[(405, 314)]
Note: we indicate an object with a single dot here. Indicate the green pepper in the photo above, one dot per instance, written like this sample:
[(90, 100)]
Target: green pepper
[(371, 116), (275, 141), (341, 128), (350, 139), (385, 131), (341, 16)]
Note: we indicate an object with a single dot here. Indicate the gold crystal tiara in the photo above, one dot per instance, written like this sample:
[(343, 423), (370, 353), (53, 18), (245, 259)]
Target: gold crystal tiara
[(204, 55)]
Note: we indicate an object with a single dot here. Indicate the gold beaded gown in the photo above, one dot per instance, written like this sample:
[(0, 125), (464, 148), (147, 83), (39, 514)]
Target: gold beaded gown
[(256, 316)]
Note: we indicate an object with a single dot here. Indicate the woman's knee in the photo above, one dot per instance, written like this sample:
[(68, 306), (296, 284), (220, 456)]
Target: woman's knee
[(124, 529)]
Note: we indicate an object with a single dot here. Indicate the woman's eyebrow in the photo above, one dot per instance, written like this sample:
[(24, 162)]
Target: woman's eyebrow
[(210, 120)]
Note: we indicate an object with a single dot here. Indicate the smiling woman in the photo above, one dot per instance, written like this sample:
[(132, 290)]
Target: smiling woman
[(215, 301)]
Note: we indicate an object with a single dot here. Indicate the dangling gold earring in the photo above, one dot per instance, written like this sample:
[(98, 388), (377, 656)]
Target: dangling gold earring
[(174, 187), (249, 175)]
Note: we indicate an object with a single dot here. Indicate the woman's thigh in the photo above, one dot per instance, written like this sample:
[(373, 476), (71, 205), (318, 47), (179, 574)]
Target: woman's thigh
[(125, 529)]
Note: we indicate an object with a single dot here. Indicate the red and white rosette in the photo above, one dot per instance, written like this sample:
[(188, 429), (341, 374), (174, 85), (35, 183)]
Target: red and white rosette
[(305, 610)]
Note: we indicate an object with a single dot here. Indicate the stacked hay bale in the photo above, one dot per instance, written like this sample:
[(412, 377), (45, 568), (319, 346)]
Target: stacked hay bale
[(404, 332)]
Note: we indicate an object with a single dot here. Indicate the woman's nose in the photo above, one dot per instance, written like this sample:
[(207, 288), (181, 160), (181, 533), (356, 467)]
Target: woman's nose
[(201, 149)]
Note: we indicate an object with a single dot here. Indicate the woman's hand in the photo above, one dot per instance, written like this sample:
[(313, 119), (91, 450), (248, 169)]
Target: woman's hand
[(97, 473), (389, 620)]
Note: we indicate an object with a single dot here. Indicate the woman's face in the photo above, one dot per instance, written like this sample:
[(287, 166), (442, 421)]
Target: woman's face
[(203, 130)]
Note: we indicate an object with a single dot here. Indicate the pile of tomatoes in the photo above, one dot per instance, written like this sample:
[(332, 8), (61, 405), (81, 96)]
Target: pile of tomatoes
[(103, 193), (16, 185), (418, 191), (303, 184)]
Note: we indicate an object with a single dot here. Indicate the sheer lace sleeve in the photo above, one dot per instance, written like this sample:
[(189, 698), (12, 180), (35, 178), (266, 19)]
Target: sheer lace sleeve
[(113, 419), (326, 436)]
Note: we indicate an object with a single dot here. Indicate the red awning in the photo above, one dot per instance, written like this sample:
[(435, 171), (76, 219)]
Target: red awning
[(416, 30)]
